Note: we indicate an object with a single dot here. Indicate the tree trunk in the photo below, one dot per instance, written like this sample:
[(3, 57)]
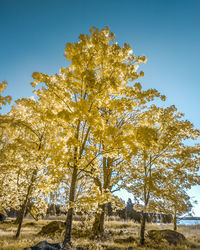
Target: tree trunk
[(20, 216), (24, 206), (98, 225), (175, 221), (67, 238), (17, 220), (20, 219), (27, 209), (142, 228)]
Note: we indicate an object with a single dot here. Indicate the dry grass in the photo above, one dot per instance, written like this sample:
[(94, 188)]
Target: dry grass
[(116, 235), (119, 224), (192, 233)]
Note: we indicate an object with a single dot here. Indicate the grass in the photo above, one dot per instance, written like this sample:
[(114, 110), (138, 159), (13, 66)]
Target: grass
[(118, 235)]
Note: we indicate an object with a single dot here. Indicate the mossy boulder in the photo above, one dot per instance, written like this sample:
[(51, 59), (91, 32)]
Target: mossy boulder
[(52, 228), (172, 237)]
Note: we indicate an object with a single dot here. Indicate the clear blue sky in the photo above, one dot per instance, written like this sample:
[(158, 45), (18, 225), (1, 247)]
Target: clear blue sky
[(34, 34)]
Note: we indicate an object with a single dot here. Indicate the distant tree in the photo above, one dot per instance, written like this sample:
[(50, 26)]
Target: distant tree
[(129, 205), (131, 212), (109, 209)]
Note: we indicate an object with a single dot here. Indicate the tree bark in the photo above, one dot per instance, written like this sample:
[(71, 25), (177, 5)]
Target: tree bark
[(17, 220), (142, 228), (20, 216), (175, 221), (67, 238), (20, 220), (98, 225), (24, 206), (27, 209)]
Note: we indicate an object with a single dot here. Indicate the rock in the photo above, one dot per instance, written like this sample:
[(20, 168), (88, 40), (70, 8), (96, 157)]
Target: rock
[(3, 215), (53, 227), (172, 237), (44, 245)]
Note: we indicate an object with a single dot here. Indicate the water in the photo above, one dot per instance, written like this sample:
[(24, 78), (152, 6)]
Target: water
[(189, 222)]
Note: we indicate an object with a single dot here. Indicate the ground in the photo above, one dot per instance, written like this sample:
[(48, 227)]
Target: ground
[(118, 235)]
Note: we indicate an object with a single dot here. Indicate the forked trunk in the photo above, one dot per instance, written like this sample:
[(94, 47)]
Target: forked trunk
[(98, 225), (67, 238), (142, 228)]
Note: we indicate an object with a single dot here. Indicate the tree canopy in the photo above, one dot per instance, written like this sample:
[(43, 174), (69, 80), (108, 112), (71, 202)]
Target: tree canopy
[(91, 130)]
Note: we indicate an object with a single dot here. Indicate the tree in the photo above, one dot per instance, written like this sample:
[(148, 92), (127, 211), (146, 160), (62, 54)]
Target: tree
[(98, 76), (184, 173), (161, 150), (118, 138), (25, 157), (176, 203), (3, 139)]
